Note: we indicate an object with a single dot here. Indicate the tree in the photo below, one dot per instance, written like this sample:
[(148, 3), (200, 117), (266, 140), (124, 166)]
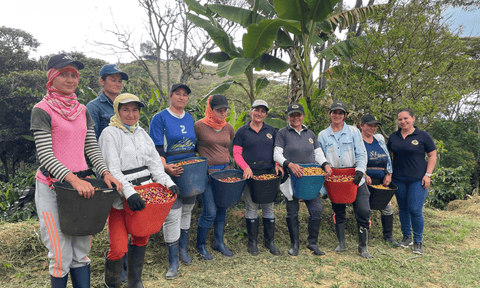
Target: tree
[(412, 61), (15, 47)]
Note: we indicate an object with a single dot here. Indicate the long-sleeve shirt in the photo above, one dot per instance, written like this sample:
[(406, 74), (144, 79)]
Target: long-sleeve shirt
[(344, 148), (123, 150)]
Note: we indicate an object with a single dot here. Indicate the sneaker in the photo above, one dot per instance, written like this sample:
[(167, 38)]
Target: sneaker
[(405, 242), (418, 248)]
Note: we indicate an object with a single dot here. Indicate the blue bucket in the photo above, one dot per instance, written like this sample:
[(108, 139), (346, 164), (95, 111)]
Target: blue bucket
[(227, 194), (194, 177), (307, 187)]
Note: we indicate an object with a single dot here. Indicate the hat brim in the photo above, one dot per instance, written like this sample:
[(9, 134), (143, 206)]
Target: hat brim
[(221, 106), (77, 64), (181, 86), (294, 111), (373, 122), (338, 108), (122, 74), (261, 106), (140, 104)]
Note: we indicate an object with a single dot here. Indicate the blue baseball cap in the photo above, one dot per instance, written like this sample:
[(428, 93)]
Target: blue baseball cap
[(111, 69)]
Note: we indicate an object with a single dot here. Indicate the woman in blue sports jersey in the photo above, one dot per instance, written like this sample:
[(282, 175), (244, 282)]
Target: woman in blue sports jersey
[(173, 133)]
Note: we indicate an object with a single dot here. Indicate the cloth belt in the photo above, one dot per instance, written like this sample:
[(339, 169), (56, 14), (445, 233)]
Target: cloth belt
[(260, 163), (138, 181), (219, 167), (180, 152), (79, 174)]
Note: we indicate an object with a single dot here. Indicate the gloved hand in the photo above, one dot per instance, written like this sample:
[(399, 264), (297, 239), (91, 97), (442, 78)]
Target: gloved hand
[(135, 202), (175, 190), (358, 177)]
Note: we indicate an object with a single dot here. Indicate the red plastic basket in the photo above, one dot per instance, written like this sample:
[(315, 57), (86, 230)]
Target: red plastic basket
[(149, 220), (341, 192)]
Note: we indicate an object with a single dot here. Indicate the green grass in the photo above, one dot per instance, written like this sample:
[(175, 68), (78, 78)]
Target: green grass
[(452, 257)]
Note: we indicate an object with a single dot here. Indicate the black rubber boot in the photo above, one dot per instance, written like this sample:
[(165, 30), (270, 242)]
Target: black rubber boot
[(387, 224), (269, 235), (313, 228), (135, 259), (252, 229), (172, 250), (218, 244), (182, 247), (293, 230), (340, 230), (202, 241), (59, 282), (113, 272), (362, 242), (80, 277)]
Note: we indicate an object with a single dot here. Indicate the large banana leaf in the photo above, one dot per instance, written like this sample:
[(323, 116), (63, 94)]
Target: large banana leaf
[(197, 7), (233, 67), (320, 9), (260, 37), (219, 89), (261, 84), (275, 122), (293, 10), (217, 57), (283, 40), (222, 39), (264, 6), (238, 15), (343, 49), (270, 63)]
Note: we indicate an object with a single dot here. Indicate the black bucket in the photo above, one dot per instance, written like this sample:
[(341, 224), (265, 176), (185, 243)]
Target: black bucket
[(194, 177), (264, 191), (227, 194), (379, 198), (80, 216)]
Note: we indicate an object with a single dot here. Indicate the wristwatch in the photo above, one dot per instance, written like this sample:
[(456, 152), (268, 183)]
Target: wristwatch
[(428, 174)]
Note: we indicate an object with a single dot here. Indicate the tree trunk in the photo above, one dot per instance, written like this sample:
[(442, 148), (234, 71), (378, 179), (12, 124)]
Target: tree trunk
[(3, 157)]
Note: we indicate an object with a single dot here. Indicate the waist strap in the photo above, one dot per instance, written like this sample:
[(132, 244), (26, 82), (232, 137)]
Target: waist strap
[(140, 180), (135, 170), (179, 152), (79, 174), (260, 163), (219, 167)]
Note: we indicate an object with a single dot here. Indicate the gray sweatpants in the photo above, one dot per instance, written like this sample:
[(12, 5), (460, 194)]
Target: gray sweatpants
[(64, 251), (177, 219)]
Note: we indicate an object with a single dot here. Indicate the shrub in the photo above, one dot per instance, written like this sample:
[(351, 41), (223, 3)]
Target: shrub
[(447, 185), (17, 197)]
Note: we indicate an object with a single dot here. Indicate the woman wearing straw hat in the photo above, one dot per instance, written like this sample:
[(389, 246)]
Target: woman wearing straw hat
[(63, 132), (297, 143), (131, 156), (379, 166), (412, 173), (253, 152), (172, 131), (344, 148), (213, 136)]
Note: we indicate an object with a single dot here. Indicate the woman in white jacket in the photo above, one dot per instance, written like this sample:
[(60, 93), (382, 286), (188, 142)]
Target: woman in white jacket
[(131, 157)]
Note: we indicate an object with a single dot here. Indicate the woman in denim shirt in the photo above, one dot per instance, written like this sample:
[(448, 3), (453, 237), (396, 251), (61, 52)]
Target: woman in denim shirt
[(343, 147)]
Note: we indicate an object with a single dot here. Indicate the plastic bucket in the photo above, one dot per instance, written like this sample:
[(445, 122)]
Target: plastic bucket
[(379, 198), (227, 194), (307, 187), (80, 216), (194, 177), (342, 192), (264, 191), (149, 220)]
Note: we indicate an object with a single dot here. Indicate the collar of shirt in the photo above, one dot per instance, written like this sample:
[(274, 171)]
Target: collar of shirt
[(415, 131), (343, 131), (176, 115), (304, 128), (103, 98), (263, 126)]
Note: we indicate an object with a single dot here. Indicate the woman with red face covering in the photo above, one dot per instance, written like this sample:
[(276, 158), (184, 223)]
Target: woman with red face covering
[(63, 132)]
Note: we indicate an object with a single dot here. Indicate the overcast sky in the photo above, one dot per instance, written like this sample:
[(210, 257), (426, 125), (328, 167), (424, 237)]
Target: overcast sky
[(72, 25)]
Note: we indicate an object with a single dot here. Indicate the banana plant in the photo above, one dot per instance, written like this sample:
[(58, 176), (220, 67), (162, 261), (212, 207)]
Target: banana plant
[(232, 60)]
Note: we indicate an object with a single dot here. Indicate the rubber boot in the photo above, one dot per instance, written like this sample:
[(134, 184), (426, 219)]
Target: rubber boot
[(124, 270), (80, 277), (218, 232), (252, 229), (313, 228), (340, 230), (113, 272), (269, 235), (182, 246), (59, 282), (172, 250), (362, 242), (135, 259), (292, 223), (387, 224), (202, 241)]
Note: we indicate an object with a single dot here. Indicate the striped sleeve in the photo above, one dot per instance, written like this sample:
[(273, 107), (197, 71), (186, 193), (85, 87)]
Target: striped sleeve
[(43, 143), (93, 152)]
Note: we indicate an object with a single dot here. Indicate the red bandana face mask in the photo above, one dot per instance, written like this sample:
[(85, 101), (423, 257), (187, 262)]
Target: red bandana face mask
[(211, 119)]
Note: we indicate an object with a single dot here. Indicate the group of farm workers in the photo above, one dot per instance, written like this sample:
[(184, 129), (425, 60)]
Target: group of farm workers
[(124, 155)]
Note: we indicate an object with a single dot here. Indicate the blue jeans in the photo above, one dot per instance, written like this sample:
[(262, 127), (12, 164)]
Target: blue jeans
[(210, 211), (411, 197)]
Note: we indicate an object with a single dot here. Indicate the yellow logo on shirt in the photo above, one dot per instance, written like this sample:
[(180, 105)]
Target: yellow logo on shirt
[(415, 142), (310, 140), (269, 136)]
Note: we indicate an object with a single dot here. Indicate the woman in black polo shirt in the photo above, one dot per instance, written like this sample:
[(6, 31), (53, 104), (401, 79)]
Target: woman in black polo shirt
[(296, 143), (253, 152), (411, 173)]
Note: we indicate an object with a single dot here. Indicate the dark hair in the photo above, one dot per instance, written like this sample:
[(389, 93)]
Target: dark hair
[(407, 110), (104, 77)]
